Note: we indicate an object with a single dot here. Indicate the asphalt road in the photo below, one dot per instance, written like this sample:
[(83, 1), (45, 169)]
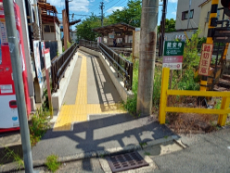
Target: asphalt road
[(208, 153)]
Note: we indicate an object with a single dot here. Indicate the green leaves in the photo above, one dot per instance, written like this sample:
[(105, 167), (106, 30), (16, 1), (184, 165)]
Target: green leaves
[(191, 57), (84, 30), (169, 25), (130, 15)]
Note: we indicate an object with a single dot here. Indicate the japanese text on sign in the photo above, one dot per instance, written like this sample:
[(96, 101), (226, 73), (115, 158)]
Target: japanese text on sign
[(173, 48), (173, 55), (205, 59)]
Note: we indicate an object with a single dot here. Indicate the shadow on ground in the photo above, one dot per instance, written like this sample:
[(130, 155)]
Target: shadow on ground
[(101, 133)]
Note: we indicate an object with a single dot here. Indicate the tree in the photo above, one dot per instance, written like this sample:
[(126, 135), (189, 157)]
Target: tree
[(130, 15), (84, 30), (169, 25)]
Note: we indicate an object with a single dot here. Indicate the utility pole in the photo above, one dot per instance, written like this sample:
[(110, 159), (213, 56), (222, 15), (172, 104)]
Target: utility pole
[(148, 41), (190, 2), (67, 8), (162, 38), (102, 14), (18, 82)]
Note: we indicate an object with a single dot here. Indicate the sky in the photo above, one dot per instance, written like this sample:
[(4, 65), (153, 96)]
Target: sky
[(83, 8)]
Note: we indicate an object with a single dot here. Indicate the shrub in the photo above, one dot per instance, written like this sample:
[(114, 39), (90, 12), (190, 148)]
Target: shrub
[(191, 58)]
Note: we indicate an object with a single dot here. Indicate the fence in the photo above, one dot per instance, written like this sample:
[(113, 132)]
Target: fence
[(165, 92), (89, 44), (123, 67), (60, 65)]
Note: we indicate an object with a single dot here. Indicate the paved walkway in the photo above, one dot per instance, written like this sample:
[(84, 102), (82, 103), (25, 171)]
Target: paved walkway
[(92, 121), (90, 92)]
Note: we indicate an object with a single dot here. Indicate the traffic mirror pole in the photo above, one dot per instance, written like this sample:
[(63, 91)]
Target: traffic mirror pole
[(16, 61)]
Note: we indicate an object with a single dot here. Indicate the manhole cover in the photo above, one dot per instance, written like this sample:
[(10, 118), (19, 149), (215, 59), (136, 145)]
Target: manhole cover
[(126, 161)]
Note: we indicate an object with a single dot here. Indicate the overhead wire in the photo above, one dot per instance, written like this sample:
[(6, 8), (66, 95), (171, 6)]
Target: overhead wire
[(113, 5), (96, 6)]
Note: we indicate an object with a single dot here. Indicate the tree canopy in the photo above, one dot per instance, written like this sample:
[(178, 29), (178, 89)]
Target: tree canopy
[(130, 15), (169, 25)]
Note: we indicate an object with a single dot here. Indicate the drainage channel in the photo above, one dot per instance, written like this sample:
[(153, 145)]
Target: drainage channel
[(127, 161)]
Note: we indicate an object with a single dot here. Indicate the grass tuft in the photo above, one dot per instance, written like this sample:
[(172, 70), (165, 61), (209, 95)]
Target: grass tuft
[(40, 123), (52, 163)]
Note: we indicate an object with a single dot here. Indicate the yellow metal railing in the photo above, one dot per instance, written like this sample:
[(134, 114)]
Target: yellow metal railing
[(165, 92)]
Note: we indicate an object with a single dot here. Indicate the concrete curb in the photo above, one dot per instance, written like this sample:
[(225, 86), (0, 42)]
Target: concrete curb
[(160, 141), (117, 150)]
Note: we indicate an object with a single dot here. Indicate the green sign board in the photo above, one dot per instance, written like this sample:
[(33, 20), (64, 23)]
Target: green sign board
[(173, 48)]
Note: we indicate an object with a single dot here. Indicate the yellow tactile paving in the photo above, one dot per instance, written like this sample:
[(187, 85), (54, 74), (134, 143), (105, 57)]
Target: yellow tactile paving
[(80, 111)]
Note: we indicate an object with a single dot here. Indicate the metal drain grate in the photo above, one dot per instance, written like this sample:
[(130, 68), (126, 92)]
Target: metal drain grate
[(126, 161)]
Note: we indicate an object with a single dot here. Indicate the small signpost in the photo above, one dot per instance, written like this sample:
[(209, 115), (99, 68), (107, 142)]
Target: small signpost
[(47, 66), (205, 59), (173, 56)]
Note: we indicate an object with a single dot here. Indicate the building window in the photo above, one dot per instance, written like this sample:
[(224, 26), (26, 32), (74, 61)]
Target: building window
[(51, 28), (185, 15), (48, 28)]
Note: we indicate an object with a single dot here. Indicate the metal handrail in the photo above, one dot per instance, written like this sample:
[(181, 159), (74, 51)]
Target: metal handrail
[(89, 44), (116, 61), (59, 66), (122, 66)]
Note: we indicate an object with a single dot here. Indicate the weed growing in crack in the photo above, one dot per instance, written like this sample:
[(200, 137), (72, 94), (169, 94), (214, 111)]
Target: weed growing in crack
[(52, 163)]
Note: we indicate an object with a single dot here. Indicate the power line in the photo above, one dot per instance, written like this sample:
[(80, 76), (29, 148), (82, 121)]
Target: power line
[(96, 6), (112, 5), (76, 14)]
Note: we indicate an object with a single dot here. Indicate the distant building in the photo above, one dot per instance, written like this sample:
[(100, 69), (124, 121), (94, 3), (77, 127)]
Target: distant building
[(121, 32), (204, 16), (73, 35), (183, 15), (198, 19), (50, 30)]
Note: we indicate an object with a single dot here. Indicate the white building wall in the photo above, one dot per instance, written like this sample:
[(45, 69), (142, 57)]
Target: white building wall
[(58, 32), (49, 36), (183, 5)]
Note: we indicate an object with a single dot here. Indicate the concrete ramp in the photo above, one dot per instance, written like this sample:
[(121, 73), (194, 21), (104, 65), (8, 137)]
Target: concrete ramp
[(90, 92)]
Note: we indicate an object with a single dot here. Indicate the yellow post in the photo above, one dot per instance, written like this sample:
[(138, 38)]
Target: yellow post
[(163, 100), (213, 15), (224, 105), (224, 54)]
